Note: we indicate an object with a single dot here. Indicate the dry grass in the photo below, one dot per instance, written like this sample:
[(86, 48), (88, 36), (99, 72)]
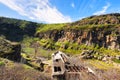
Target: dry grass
[(102, 70), (19, 72)]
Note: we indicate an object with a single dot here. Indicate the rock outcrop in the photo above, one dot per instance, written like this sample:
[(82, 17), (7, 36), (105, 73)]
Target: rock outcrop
[(109, 38), (10, 50)]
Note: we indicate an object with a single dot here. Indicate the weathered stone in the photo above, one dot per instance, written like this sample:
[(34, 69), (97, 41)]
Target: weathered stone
[(98, 36)]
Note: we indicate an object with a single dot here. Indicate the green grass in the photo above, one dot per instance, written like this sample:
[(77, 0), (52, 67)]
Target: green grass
[(27, 67), (47, 45), (72, 51), (100, 64), (49, 27), (2, 63), (92, 26), (108, 51), (116, 60), (45, 53), (28, 50), (75, 48)]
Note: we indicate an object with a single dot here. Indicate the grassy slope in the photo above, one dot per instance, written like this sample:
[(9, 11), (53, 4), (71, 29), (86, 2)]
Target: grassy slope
[(18, 71), (49, 27)]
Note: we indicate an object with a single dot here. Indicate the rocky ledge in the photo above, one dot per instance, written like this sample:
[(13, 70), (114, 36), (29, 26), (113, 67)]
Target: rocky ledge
[(10, 50)]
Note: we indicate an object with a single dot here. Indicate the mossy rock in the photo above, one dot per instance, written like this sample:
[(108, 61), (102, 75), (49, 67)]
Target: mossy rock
[(10, 50)]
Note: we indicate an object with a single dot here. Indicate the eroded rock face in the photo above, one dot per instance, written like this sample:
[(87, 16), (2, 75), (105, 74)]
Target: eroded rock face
[(107, 37), (103, 30), (10, 50)]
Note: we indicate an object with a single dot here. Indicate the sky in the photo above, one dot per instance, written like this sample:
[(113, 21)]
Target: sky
[(56, 11)]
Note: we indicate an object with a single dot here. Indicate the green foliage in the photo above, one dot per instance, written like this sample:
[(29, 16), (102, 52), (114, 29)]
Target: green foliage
[(58, 45), (28, 40), (42, 50), (44, 42), (15, 30), (100, 64), (28, 50), (105, 27), (72, 51), (2, 63), (50, 27), (65, 46), (108, 51), (6, 47), (75, 48), (23, 24), (45, 53), (27, 67), (116, 60)]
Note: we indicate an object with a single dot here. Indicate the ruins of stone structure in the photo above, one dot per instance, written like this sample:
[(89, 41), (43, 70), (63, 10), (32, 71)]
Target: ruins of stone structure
[(64, 69)]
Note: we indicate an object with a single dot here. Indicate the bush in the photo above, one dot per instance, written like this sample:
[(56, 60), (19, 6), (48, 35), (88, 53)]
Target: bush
[(2, 63)]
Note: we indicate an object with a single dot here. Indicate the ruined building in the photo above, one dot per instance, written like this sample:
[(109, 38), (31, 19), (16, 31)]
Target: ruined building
[(64, 69)]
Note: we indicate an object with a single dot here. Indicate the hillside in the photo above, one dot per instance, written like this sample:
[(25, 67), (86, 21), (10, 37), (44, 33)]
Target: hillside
[(95, 39), (97, 31), (15, 30)]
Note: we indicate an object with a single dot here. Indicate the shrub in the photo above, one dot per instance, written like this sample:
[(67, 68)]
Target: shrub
[(2, 63)]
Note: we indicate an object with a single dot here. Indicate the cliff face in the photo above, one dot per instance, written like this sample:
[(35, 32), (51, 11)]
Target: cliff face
[(107, 39), (103, 31)]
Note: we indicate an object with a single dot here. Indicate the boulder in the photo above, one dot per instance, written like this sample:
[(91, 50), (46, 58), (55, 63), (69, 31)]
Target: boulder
[(10, 50)]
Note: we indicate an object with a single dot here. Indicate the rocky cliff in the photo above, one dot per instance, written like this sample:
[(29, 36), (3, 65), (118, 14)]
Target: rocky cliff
[(103, 30)]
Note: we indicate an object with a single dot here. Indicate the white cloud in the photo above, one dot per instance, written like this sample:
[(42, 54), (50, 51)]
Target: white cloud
[(104, 9), (72, 5), (40, 10)]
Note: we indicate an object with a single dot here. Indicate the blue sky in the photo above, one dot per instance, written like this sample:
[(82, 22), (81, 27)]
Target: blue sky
[(56, 11)]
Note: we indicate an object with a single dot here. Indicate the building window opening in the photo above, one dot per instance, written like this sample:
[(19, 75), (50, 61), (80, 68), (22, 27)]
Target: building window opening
[(57, 69)]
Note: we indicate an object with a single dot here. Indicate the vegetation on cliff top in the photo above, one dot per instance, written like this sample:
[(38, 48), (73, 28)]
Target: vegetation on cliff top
[(101, 21)]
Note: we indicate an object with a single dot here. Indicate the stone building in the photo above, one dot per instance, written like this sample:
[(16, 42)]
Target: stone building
[(64, 69)]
